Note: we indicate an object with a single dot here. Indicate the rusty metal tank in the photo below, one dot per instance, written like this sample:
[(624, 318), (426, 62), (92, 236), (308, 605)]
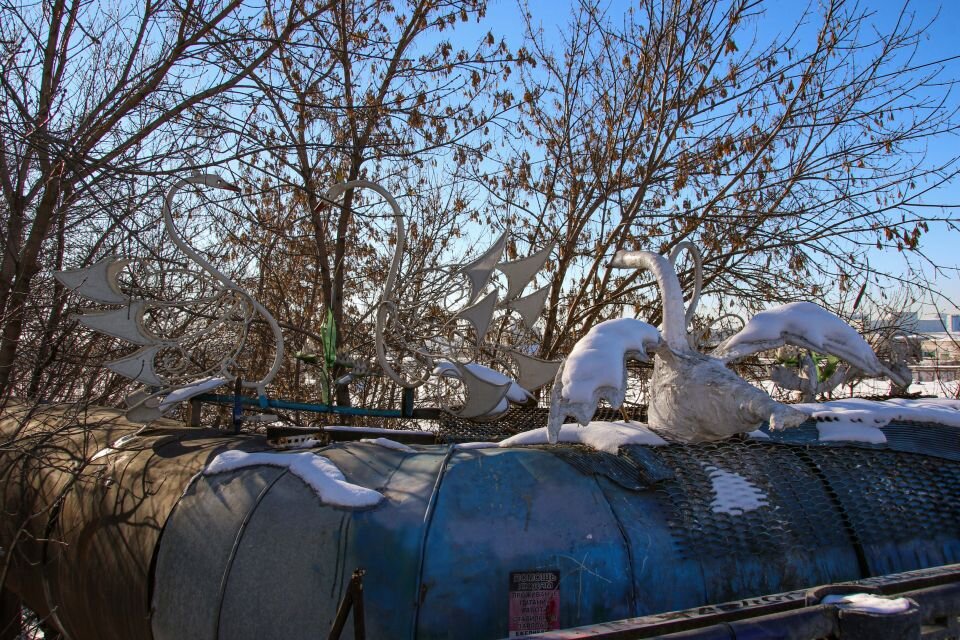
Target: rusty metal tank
[(129, 539)]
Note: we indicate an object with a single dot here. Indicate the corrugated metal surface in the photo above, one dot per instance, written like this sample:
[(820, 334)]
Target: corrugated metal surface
[(93, 525), (197, 548), (284, 558)]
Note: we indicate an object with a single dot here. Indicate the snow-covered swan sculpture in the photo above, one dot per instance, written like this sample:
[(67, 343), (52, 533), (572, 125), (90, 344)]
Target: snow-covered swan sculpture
[(694, 397)]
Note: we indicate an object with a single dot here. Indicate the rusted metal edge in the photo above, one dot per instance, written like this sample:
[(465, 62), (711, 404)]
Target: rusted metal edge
[(796, 614)]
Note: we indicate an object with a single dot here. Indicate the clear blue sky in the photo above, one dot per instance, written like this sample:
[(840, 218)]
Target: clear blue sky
[(942, 40)]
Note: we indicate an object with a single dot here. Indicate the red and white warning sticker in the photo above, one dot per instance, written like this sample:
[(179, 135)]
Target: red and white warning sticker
[(534, 602)]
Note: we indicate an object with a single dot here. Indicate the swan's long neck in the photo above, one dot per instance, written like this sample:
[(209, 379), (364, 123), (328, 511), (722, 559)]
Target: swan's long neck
[(387, 300), (338, 189), (182, 244), (674, 320), (178, 240)]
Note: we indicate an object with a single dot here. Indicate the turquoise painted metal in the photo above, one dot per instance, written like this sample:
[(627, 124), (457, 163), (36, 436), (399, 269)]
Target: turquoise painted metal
[(628, 535)]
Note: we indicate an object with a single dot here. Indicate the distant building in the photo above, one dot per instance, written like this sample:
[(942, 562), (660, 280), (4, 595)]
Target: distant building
[(937, 338)]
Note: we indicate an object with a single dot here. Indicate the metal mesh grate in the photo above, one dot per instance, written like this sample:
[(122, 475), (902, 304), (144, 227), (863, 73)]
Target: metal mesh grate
[(892, 496), (815, 496), (796, 510), (756, 498), (516, 420)]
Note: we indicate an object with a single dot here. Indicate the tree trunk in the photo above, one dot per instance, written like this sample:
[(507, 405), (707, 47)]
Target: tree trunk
[(28, 267)]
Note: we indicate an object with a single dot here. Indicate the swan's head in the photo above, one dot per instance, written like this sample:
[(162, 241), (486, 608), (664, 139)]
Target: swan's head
[(214, 181)]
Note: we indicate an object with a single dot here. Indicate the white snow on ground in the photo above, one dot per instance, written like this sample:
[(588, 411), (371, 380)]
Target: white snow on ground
[(602, 436), (882, 387), (939, 388), (733, 493), (188, 391), (869, 602), (823, 330), (596, 360), (319, 473), (390, 444)]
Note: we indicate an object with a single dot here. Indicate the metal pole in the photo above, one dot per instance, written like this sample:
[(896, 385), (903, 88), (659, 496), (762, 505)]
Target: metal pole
[(353, 598)]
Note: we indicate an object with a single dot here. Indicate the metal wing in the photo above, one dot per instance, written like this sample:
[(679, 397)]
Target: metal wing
[(154, 406), (480, 315), (534, 372), (520, 272), (806, 325), (480, 270), (529, 307), (125, 323), (484, 398), (98, 282), (139, 366)]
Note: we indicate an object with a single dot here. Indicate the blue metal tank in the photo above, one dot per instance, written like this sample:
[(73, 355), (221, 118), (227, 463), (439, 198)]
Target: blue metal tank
[(132, 541), (254, 554)]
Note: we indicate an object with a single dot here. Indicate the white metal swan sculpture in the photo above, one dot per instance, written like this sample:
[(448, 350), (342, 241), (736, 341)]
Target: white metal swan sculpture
[(488, 391), (694, 397), (163, 362)]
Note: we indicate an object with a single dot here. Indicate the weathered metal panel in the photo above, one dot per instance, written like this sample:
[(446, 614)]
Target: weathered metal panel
[(318, 547), (387, 542), (96, 522), (198, 543), (501, 511), (110, 525), (664, 577), (47, 452)]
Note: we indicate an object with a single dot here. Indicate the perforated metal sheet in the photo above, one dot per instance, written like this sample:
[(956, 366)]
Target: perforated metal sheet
[(911, 437), (797, 511), (516, 420), (816, 498), (893, 496)]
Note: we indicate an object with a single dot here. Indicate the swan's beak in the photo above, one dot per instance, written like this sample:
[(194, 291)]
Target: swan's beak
[(618, 262)]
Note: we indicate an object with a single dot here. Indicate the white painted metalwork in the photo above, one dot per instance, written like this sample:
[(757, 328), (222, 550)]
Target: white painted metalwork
[(167, 363), (694, 397), (401, 328)]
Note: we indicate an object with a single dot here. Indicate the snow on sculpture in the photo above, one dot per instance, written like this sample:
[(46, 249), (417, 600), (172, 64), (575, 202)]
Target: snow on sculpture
[(694, 397), (515, 393), (442, 348), (218, 319)]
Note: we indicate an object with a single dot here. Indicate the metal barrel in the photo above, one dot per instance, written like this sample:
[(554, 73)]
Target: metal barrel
[(467, 542)]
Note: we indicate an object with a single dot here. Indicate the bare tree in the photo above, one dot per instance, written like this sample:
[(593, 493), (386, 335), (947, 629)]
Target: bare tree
[(371, 89), (95, 94), (782, 158)]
